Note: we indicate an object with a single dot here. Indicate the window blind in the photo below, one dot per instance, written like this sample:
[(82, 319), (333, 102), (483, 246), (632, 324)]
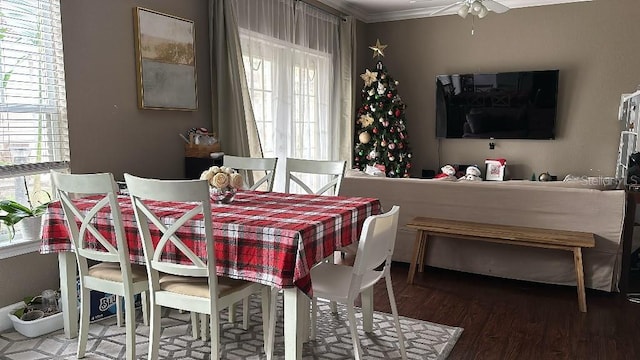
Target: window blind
[(33, 111)]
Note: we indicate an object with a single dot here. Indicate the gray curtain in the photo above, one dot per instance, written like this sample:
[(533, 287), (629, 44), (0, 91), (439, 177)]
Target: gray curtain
[(232, 114), (347, 54)]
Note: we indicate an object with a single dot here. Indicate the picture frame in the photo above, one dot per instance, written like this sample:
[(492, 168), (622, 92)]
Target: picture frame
[(165, 61), (495, 169)]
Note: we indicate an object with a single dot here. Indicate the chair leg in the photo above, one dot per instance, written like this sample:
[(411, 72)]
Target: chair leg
[(195, 325), (85, 299), (204, 328), (119, 310), (130, 326), (357, 351), (245, 313), (215, 333), (154, 331), (232, 313), (144, 299), (366, 297), (333, 306), (314, 318), (394, 311)]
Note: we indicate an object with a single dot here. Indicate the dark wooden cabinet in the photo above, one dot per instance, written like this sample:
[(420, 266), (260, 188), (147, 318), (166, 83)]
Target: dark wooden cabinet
[(194, 166)]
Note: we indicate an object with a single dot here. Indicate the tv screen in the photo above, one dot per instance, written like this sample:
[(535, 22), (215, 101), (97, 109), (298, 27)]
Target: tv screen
[(506, 105)]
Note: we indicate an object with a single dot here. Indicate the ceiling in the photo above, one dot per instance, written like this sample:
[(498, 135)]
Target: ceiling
[(371, 11)]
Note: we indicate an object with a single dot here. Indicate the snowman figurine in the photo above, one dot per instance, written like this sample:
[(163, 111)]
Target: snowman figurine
[(473, 173)]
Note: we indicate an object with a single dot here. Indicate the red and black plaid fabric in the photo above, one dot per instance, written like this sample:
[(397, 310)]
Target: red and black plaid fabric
[(266, 237)]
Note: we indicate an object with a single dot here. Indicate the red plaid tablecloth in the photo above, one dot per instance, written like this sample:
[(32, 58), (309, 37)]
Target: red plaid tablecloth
[(270, 238)]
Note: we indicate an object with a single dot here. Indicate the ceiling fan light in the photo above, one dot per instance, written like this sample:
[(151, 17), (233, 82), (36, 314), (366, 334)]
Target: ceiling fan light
[(476, 8), (483, 12), (463, 11)]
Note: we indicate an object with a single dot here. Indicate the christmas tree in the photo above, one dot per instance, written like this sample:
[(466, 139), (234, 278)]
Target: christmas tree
[(382, 139)]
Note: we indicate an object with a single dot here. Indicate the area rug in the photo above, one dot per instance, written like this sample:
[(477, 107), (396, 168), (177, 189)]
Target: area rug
[(425, 340)]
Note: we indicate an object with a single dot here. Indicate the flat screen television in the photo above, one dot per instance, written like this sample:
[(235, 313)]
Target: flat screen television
[(505, 105)]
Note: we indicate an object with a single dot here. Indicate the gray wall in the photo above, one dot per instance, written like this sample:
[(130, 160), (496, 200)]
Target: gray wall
[(107, 130), (594, 44)]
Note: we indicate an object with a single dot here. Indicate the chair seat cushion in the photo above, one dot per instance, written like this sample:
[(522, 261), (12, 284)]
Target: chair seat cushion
[(112, 272), (199, 286)]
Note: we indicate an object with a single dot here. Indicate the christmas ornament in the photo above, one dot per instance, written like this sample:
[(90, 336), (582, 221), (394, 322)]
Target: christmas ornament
[(385, 123), (375, 130), (392, 146), (389, 95), (369, 77), (390, 112), (374, 154), (409, 156), (398, 113), (383, 143), (383, 76), (366, 120), (392, 130), (396, 82), (378, 49), (391, 158), (381, 89), (371, 92), (364, 137)]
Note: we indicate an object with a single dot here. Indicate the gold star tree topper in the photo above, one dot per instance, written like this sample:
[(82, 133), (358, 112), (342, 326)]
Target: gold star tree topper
[(378, 49), (369, 77)]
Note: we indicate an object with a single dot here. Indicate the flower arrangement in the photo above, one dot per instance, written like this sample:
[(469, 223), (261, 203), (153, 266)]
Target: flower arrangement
[(224, 182)]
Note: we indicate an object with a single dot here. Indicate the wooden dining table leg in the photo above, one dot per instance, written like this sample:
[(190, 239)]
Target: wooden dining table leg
[(292, 315), (68, 293), (414, 261)]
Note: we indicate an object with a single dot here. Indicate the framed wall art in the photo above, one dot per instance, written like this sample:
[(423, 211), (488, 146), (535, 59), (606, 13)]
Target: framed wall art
[(166, 61)]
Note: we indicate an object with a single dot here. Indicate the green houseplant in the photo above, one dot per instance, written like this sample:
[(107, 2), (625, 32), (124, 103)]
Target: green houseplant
[(12, 212)]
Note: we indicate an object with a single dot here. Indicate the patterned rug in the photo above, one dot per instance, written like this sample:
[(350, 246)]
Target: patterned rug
[(425, 340)]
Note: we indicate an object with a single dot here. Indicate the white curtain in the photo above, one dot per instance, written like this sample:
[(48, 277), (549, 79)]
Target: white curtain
[(299, 79)]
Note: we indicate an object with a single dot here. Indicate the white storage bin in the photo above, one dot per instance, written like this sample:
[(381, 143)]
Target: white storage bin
[(38, 327)]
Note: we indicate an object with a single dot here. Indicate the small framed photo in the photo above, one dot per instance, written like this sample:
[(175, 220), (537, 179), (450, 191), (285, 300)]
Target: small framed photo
[(495, 169)]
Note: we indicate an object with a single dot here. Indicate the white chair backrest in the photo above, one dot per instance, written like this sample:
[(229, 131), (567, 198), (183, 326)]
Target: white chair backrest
[(68, 188), (376, 245), (249, 168), (180, 192), (295, 168)]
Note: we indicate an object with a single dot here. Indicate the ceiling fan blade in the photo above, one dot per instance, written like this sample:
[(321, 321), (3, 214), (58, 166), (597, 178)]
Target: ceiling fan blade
[(495, 6), (443, 9)]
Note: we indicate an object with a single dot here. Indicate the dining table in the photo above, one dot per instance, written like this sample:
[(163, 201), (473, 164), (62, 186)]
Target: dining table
[(270, 238)]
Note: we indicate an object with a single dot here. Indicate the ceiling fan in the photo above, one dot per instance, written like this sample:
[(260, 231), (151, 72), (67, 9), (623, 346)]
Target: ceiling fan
[(479, 8)]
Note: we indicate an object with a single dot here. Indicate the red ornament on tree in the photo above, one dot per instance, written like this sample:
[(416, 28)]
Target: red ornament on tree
[(389, 95), (397, 113), (375, 130)]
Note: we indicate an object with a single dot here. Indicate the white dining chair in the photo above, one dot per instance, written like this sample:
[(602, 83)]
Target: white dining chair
[(343, 283), (250, 168), (301, 173), (114, 274), (193, 286)]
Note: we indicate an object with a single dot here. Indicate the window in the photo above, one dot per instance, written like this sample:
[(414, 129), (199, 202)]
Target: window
[(33, 119), (289, 88)]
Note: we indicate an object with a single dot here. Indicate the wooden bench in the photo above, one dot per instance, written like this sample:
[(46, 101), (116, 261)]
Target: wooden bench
[(504, 234)]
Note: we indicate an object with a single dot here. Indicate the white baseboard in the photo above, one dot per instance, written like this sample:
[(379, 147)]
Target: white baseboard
[(5, 323)]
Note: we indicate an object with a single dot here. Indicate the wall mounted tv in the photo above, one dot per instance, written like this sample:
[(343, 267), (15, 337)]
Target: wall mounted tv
[(506, 105)]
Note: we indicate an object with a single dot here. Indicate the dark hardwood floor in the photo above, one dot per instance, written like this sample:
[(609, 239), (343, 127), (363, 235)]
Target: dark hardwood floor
[(508, 319)]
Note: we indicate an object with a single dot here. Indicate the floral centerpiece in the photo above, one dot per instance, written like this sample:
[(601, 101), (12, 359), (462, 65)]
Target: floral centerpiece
[(224, 182)]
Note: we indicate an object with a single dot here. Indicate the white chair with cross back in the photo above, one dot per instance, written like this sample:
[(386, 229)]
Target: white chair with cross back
[(114, 274), (303, 175), (343, 283), (191, 286), (250, 168)]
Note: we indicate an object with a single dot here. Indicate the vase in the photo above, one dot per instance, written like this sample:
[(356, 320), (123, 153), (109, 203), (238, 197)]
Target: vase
[(222, 196), (31, 227)]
